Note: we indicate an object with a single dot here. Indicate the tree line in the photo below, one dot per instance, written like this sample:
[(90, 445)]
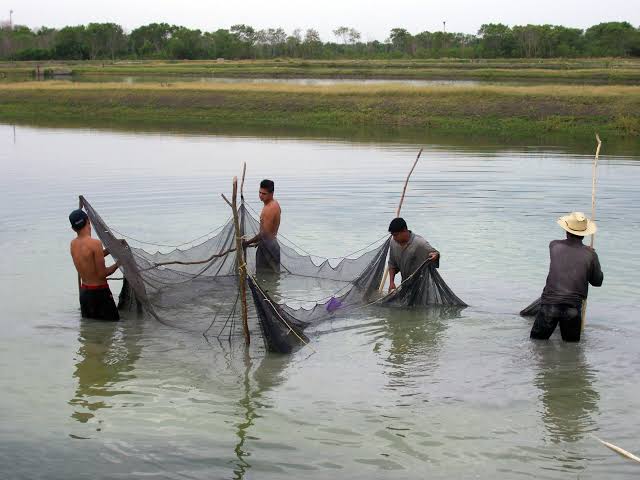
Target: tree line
[(109, 41)]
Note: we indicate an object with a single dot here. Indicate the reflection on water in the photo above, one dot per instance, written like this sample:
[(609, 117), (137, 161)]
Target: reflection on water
[(567, 390), (414, 342), (107, 355), (266, 376), (168, 79)]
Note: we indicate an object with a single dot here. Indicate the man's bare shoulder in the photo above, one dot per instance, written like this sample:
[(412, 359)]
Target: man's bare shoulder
[(88, 242), (273, 207)]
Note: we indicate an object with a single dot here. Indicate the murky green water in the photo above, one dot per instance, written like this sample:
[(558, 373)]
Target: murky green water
[(385, 395)]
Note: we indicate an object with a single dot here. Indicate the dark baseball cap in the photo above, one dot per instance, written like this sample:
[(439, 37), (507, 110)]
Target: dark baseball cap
[(78, 219)]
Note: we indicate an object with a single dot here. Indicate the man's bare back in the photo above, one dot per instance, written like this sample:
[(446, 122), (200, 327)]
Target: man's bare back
[(270, 219), (88, 258), (96, 300)]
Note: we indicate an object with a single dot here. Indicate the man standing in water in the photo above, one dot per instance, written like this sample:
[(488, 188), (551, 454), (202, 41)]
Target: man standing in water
[(573, 267), (96, 300), (407, 251), (268, 251)]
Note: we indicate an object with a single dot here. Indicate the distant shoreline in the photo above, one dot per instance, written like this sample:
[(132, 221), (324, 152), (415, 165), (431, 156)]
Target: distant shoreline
[(557, 70), (502, 112)]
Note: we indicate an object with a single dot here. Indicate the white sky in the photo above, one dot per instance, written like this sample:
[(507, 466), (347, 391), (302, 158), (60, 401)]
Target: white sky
[(373, 18)]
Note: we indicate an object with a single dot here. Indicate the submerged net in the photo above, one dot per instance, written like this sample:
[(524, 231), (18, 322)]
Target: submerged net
[(532, 309), (197, 288)]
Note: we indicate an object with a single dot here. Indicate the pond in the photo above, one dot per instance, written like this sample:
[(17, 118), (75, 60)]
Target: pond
[(388, 394)]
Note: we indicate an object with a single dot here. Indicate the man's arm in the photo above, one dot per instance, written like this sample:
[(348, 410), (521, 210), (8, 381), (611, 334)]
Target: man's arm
[(432, 254), (101, 269), (252, 241), (596, 276), (393, 269), (392, 278)]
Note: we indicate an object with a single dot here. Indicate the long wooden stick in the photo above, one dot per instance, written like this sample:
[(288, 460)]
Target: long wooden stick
[(241, 265), (196, 262), (406, 182), (244, 171), (404, 190), (79, 279), (618, 450), (593, 215)]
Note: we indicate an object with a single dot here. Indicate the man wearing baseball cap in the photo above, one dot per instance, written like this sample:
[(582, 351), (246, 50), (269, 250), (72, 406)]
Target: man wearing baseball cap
[(96, 300), (573, 267)]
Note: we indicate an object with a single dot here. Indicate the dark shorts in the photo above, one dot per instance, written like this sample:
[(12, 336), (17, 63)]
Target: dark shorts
[(548, 317), (97, 302), (268, 256)]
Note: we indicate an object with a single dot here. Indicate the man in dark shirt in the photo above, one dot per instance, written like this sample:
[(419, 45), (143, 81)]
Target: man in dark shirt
[(573, 267), (407, 251)]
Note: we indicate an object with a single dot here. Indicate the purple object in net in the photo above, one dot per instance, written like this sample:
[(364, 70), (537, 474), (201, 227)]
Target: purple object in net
[(333, 305)]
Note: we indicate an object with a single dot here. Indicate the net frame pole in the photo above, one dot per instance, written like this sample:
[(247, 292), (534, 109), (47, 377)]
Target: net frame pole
[(244, 171), (79, 279), (240, 263), (404, 190), (594, 176)]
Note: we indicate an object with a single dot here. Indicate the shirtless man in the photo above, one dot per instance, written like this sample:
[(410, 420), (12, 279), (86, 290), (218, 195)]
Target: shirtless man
[(96, 300), (268, 251)]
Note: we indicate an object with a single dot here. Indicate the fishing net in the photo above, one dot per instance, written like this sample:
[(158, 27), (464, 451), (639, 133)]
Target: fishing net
[(532, 309), (197, 288)]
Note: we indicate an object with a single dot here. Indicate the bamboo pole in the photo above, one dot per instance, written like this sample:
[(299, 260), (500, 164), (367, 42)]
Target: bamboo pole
[(404, 190), (618, 450), (79, 279), (241, 265), (244, 171), (593, 215)]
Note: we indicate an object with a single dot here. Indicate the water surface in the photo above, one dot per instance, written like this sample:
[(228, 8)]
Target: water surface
[(383, 394)]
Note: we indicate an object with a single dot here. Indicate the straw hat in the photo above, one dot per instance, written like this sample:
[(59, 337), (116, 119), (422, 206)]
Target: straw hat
[(578, 224)]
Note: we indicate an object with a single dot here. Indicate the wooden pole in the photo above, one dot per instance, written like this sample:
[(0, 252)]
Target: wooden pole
[(593, 214), (79, 279), (241, 265), (404, 190), (618, 450), (244, 171)]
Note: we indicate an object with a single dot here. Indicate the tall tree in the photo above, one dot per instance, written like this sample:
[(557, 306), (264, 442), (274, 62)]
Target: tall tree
[(151, 40)]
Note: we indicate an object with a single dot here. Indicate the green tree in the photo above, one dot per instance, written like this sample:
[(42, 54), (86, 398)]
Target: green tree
[(104, 40), (401, 40), (186, 44), (496, 40), (312, 44), (611, 39), (70, 44), (151, 40)]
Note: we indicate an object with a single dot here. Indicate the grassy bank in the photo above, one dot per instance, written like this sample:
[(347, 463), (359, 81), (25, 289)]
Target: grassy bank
[(604, 70), (498, 111)]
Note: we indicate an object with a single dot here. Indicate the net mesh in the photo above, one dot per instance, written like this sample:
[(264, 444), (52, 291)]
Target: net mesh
[(197, 288)]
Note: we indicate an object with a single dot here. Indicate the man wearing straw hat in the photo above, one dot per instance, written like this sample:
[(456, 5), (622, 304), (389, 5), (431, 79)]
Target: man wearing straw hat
[(573, 267)]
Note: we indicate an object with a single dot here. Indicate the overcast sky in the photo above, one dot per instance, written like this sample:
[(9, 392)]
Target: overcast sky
[(373, 18)]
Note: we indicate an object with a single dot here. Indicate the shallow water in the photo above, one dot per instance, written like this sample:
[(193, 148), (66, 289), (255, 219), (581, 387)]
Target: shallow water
[(384, 394), (289, 81)]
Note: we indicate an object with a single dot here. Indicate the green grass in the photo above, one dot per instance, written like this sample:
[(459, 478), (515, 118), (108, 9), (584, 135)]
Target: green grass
[(502, 112)]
